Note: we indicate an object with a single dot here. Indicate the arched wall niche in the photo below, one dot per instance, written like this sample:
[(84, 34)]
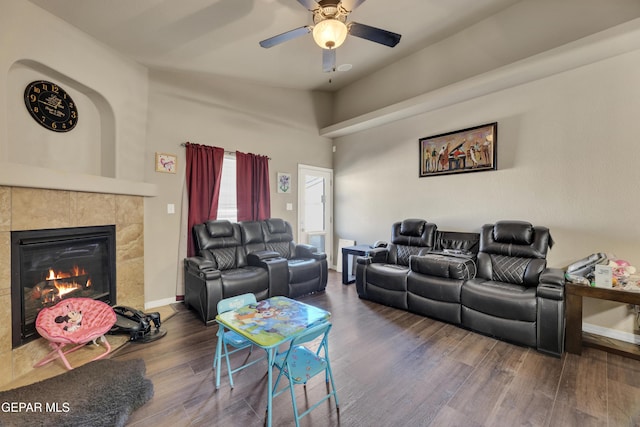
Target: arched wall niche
[(89, 148)]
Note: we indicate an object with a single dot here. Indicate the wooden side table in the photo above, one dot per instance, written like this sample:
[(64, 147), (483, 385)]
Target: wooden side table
[(575, 338), (348, 254)]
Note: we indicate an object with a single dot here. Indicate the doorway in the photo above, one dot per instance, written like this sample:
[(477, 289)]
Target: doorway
[(315, 208)]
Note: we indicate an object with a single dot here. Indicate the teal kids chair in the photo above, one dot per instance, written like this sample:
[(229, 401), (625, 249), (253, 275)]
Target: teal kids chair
[(299, 364), (230, 338)]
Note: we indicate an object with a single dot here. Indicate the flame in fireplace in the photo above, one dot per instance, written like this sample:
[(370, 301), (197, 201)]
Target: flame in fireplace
[(67, 282), (75, 272), (65, 288)]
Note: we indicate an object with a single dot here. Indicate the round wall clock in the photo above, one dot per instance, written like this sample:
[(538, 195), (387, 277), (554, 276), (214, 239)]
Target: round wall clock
[(51, 106)]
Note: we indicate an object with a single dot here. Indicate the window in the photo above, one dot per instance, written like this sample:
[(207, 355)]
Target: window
[(227, 206)]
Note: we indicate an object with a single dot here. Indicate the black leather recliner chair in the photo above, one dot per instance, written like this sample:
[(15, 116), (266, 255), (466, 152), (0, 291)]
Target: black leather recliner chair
[(223, 269), (513, 295), (307, 268), (382, 276)]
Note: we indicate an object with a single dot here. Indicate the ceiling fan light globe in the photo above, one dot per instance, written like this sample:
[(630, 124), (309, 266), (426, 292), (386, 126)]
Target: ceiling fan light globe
[(330, 33)]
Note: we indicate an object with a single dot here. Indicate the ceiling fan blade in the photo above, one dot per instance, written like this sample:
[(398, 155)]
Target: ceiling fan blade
[(328, 60), (373, 34), (289, 35), (309, 4), (350, 5)]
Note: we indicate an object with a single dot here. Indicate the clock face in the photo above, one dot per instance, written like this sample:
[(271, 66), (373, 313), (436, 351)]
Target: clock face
[(51, 106)]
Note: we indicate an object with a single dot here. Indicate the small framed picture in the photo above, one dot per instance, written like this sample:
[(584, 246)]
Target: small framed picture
[(284, 182), (166, 162)]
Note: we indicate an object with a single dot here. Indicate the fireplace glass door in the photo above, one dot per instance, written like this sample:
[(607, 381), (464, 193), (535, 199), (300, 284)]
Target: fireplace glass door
[(51, 265)]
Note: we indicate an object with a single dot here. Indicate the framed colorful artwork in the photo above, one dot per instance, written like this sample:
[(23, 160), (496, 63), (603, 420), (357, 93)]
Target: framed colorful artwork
[(166, 162), (460, 151), (284, 182)]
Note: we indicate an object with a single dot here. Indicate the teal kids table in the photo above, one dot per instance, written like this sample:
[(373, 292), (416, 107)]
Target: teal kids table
[(268, 324)]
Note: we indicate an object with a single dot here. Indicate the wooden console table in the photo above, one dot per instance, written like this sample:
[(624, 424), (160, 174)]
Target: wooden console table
[(574, 335)]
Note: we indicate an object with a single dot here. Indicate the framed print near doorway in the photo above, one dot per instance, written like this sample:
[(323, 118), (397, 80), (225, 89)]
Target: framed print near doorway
[(467, 150)]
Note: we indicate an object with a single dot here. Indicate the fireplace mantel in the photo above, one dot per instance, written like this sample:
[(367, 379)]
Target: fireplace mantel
[(17, 175)]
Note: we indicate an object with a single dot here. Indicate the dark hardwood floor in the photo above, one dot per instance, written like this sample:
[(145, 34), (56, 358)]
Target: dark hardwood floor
[(392, 368)]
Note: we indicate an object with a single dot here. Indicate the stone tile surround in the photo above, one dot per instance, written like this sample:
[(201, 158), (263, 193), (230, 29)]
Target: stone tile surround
[(30, 209)]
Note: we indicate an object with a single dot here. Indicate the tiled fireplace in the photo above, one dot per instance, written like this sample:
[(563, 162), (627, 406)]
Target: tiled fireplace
[(37, 209), (50, 265)]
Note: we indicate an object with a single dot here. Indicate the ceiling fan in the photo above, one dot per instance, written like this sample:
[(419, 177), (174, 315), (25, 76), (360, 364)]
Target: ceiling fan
[(330, 29)]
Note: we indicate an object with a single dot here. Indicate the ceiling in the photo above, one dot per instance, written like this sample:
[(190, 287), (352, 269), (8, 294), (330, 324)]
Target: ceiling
[(220, 37)]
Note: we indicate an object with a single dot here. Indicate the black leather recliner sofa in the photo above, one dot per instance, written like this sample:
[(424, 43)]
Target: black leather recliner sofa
[(307, 268), (506, 291), (259, 257), (384, 277), (514, 295)]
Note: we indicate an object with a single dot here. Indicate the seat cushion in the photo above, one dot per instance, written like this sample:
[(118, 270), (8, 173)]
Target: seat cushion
[(244, 280), (435, 288), (499, 299), (392, 277), (75, 320)]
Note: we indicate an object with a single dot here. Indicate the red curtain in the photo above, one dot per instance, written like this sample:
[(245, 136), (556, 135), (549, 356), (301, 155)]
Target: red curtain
[(203, 172), (252, 183)]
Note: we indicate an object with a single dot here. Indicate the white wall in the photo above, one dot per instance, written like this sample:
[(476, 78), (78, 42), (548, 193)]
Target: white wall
[(36, 45), (527, 28), (567, 159), (234, 115), (282, 124), (566, 144)]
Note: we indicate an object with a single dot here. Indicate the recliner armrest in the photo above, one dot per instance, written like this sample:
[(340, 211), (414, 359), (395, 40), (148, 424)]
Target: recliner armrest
[(201, 267), (198, 263), (261, 256), (378, 255), (277, 269), (375, 255), (553, 276), (319, 256), (364, 260), (551, 284), (308, 251)]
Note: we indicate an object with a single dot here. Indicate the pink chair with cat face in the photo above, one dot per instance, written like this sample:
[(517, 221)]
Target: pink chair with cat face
[(74, 321)]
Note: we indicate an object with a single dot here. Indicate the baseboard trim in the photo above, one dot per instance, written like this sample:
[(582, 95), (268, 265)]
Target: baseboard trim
[(611, 333), (159, 303)]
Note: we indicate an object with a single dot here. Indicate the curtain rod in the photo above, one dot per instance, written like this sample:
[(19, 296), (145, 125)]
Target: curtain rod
[(225, 151)]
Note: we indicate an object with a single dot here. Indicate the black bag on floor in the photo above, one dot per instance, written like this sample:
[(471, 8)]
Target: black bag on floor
[(137, 324)]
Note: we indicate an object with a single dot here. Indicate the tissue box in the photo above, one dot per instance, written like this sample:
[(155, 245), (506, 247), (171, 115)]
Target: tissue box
[(604, 276)]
